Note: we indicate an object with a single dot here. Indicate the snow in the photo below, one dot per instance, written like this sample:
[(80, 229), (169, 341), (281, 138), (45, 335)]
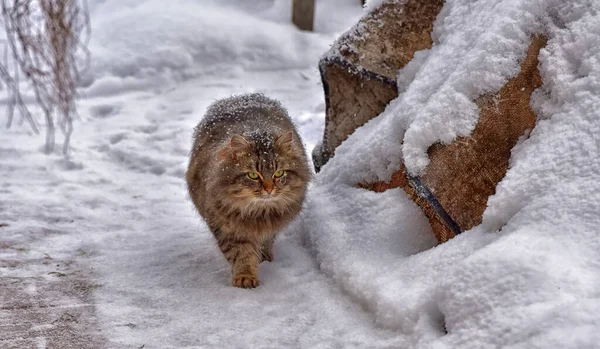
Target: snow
[(528, 276), (109, 238)]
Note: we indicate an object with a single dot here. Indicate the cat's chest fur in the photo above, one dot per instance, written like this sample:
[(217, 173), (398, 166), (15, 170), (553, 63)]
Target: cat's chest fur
[(256, 227)]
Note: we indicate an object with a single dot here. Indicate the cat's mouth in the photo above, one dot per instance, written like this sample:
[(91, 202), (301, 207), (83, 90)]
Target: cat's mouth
[(268, 196)]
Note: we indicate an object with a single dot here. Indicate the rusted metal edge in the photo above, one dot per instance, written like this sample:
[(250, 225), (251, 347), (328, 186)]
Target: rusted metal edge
[(423, 192)]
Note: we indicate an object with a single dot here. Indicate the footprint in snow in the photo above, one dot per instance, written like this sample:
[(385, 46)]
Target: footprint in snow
[(116, 138), (103, 111), (137, 162), (147, 129)]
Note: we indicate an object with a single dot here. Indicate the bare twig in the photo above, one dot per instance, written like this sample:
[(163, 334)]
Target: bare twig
[(47, 40)]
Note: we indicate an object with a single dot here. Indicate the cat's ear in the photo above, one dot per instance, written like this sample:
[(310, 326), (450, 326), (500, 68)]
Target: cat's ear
[(284, 141), (237, 144)]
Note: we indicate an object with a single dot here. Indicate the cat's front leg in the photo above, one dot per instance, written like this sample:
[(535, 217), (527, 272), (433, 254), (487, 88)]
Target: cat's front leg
[(267, 250), (243, 255)]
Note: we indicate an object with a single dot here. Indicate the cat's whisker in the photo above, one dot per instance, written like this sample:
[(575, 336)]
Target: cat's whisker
[(250, 203), (253, 207), (289, 201), (288, 205), (218, 271)]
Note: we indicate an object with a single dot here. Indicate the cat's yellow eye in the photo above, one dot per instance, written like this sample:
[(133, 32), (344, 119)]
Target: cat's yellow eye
[(279, 173), (253, 175)]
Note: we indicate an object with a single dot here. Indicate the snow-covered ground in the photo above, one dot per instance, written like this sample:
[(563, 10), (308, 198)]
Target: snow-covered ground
[(104, 250)]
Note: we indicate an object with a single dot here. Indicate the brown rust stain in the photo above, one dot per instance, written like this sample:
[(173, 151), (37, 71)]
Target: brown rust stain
[(463, 174)]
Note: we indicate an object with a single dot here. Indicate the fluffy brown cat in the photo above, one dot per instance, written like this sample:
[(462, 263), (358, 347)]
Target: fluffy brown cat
[(247, 177)]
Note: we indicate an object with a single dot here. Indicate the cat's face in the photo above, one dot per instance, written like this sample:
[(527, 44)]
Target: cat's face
[(263, 171)]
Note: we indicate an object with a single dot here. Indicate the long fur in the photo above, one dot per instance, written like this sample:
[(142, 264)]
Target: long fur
[(240, 135)]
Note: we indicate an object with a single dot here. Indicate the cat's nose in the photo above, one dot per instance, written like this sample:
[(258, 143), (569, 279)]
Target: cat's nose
[(268, 187)]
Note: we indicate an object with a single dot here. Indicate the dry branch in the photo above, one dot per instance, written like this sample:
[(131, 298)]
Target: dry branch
[(47, 41)]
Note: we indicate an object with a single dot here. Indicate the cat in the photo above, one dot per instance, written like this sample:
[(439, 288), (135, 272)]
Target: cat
[(247, 176)]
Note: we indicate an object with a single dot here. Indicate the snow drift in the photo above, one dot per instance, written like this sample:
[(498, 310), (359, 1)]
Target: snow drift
[(159, 44), (528, 276)]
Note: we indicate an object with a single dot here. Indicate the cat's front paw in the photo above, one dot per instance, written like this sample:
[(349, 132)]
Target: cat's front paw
[(244, 281)]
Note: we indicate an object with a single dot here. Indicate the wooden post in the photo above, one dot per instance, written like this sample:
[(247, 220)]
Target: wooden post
[(303, 14)]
